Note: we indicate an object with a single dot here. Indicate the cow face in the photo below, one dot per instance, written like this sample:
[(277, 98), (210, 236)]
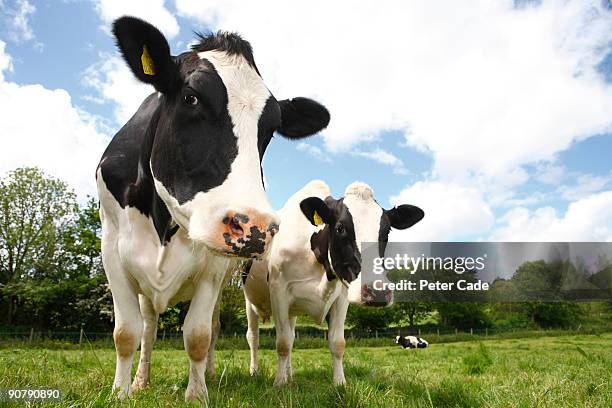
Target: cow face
[(209, 134), (370, 223), (335, 245), (348, 222)]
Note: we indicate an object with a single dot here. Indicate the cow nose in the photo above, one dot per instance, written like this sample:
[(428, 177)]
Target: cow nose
[(248, 233), (375, 297)]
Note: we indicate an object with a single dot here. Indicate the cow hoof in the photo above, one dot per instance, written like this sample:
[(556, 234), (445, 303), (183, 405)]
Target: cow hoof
[(339, 381), (280, 381), (122, 394), (196, 395), (139, 384)]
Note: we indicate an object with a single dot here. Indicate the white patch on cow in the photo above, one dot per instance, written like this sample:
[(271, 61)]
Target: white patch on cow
[(366, 213)]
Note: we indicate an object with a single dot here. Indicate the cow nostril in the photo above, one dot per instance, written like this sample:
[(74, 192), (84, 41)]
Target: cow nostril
[(235, 227), (273, 228)]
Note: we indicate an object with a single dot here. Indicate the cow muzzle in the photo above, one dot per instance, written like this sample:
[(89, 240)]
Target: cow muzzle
[(242, 233), (374, 297)]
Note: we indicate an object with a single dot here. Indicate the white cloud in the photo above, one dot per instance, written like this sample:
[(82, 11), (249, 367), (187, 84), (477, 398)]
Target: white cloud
[(382, 156), (17, 17), (588, 219), (314, 151), (153, 11), (484, 86), (42, 127), (550, 173), (113, 82), (451, 212), (586, 184)]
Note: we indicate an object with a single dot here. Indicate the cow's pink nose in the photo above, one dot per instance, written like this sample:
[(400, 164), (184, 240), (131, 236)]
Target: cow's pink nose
[(247, 234)]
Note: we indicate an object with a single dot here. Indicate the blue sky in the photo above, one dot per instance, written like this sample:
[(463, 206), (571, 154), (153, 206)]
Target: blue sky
[(496, 119)]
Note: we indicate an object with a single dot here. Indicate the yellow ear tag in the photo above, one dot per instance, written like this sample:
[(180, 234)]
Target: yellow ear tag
[(147, 62), (317, 218)]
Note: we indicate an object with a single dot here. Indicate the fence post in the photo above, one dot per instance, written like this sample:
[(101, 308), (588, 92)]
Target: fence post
[(419, 332), (456, 331), (486, 332), (297, 334), (81, 337), (471, 331), (438, 331), (376, 333), (164, 335), (31, 334)]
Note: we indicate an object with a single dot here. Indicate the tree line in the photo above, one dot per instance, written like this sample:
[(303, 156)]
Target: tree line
[(52, 278)]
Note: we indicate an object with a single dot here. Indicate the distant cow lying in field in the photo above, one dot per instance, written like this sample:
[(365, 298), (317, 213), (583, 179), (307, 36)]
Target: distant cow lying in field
[(411, 342), (314, 264)]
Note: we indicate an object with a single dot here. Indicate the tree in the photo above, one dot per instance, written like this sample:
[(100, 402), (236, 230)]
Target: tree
[(35, 212)]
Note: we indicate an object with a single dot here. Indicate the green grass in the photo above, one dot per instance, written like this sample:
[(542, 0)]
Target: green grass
[(534, 372)]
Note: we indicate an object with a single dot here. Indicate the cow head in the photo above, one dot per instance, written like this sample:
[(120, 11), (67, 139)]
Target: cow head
[(208, 136), (349, 221)]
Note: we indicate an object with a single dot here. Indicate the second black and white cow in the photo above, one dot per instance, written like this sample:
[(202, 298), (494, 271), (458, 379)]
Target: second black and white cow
[(314, 265), (181, 190)]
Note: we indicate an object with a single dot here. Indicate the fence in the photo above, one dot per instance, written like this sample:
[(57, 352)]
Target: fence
[(307, 336)]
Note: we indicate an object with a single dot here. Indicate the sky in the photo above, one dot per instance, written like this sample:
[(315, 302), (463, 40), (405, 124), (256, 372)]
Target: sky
[(495, 117)]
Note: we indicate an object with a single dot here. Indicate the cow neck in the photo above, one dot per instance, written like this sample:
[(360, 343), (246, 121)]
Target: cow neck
[(145, 187), (319, 244)]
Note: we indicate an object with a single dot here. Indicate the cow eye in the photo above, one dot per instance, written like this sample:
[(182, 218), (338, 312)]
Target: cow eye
[(190, 99), (339, 228)]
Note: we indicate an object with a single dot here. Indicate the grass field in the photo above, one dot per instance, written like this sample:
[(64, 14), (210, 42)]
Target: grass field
[(563, 371)]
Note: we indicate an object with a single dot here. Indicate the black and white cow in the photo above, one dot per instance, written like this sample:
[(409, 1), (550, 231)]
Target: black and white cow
[(314, 266), (411, 342), (181, 190)]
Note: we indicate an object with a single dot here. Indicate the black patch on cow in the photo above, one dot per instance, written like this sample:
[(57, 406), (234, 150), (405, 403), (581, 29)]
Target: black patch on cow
[(383, 234), (229, 42), (195, 146), (319, 244), (269, 121), (337, 238), (126, 173), (245, 247)]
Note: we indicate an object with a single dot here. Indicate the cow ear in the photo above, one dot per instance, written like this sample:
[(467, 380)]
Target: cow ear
[(147, 53), (404, 216), (316, 211), (302, 117)]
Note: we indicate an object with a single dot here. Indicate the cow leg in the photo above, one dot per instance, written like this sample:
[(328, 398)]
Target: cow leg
[(252, 335), (292, 321), (149, 334), (197, 333), (337, 316), (284, 336), (127, 333), (216, 327)]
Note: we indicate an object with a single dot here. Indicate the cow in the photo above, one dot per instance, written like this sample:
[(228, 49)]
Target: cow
[(181, 189), (314, 266), (411, 342)]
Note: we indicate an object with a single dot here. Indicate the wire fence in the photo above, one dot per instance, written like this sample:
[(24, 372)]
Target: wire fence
[(302, 334)]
